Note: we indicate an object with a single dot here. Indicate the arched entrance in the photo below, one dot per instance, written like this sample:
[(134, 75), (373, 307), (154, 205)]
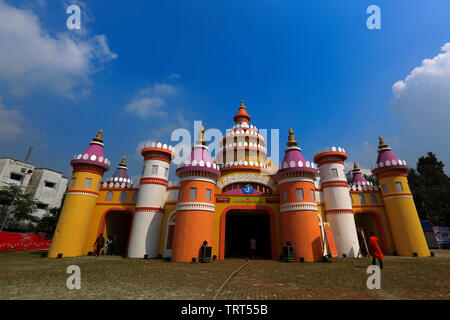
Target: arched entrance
[(240, 224), (368, 222), (117, 223), (170, 231)]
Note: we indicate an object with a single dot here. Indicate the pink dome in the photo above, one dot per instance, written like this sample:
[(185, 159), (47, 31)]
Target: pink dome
[(93, 155), (293, 159), (121, 174), (358, 177), (200, 158), (386, 160)]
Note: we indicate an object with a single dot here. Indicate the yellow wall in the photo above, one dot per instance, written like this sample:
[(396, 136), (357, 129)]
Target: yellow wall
[(73, 224), (169, 207), (401, 211), (102, 207), (375, 209)]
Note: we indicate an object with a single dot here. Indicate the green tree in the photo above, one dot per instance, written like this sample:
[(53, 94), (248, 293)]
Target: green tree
[(48, 222), (19, 215), (372, 178), (430, 187)]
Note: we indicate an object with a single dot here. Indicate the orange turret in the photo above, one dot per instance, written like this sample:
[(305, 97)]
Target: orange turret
[(298, 207), (196, 205)]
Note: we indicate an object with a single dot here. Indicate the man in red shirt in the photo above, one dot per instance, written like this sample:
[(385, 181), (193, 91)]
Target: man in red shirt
[(375, 250)]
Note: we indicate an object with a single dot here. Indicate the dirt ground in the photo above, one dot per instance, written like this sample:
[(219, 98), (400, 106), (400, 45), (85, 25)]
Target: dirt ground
[(25, 275)]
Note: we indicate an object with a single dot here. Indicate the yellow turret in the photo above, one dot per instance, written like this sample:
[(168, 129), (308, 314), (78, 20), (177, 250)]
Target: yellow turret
[(407, 232), (73, 225)]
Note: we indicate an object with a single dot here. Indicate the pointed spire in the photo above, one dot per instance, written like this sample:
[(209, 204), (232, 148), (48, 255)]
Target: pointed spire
[(124, 162), (201, 137), (242, 114), (381, 143), (357, 176), (99, 137), (291, 142)]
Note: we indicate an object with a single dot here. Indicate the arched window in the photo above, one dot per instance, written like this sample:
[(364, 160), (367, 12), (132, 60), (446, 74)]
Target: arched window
[(109, 196), (373, 198), (123, 196), (362, 200), (135, 196)]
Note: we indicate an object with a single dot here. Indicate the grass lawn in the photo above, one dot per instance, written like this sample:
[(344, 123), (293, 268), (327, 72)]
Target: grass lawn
[(25, 275)]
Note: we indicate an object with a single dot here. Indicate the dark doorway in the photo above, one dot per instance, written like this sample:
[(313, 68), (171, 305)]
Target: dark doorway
[(241, 227), (366, 222), (118, 225)]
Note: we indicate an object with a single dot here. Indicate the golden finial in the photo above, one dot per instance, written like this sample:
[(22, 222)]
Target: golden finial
[(355, 166), (201, 137), (124, 162), (242, 103), (99, 136), (291, 142), (381, 143)]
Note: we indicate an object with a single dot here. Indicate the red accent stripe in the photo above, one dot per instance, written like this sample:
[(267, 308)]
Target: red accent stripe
[(116, 203), (396, 194), (156, 158), (335, 182), (392, 173), (154, 181), (246, 168), (329, 161), (90, 171)]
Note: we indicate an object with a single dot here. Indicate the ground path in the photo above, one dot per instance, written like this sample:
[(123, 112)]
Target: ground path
[(25, 275)]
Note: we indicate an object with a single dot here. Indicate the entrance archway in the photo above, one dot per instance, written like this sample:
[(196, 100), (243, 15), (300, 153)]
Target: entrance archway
[(239, 224), (371, 222), (117, 223)]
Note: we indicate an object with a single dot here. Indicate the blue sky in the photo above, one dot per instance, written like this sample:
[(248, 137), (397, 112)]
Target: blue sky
[(141, 70)]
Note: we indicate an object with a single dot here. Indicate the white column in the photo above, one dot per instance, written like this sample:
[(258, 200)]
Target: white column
[(338, 208), (146, 231)]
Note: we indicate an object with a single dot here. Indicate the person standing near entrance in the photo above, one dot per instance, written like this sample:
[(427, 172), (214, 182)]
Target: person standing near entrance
[(108, 246), (375, 251), (99, 243), (252, 247)]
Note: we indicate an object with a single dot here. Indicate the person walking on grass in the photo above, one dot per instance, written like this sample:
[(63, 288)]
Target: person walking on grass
[(375, 251), (99, 243)]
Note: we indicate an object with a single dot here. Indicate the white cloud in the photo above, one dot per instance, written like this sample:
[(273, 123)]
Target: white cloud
[(422, 99), (145, 107), (422, 102), (32, 59), (10, 123), (175, 76), (151, 100)]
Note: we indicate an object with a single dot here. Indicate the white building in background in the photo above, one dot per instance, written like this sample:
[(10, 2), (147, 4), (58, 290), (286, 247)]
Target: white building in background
[(48, 186)]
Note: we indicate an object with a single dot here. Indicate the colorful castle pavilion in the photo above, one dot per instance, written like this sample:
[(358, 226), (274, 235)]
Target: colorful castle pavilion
[(238, 196)]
